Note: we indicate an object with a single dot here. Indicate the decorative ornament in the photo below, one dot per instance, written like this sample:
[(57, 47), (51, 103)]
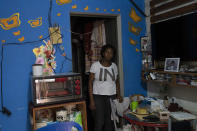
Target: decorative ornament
[(21, 39), (86, 8), (3, 41), (41, 36), (74, 7), (134, 30), (137, 50), (97, 9), (35, 23), (112, 10), (133, 42), (62, 2), (11, 22), (17, 33), (105, 9), (118, 10), (134, 16), (58, 14)]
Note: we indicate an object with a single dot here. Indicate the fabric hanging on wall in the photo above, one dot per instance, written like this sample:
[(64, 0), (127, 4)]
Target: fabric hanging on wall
[(98, 39), (98, 34), (87, 38)]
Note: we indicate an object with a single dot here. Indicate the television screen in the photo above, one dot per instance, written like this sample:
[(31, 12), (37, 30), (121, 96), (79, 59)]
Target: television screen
[(175, 38)]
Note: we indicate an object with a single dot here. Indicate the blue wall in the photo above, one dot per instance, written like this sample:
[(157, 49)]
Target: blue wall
[(19, 58)]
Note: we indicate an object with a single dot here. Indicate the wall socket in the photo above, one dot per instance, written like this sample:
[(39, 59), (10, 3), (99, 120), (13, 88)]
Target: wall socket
[(55, 35)]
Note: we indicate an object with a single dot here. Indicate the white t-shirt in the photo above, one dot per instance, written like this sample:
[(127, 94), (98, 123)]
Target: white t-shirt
[(105, 79)]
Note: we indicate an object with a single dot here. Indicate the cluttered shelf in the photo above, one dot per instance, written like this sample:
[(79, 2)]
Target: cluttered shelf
[(180, 79), (174, 73), (44, 115)]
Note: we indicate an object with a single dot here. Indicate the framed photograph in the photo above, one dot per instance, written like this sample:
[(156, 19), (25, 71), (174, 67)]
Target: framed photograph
[(172, 64), (145, 43), (146, 60)]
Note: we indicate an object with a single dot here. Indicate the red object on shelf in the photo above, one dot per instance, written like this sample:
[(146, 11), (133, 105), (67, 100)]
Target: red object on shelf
[(77, 82), (61, 79), (77, 87), (77, 92)]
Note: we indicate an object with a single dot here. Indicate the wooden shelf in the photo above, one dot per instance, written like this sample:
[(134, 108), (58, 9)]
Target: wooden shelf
[(175, 73), (173, 79), (81, 104), (188, 86)]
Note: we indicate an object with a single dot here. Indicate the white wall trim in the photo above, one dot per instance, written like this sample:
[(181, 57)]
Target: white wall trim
[(120, 60)]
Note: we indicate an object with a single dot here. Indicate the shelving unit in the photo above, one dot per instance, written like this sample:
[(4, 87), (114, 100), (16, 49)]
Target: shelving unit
[(80, 104), (172, 79)]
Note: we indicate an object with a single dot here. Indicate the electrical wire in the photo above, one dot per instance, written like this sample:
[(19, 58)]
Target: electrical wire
[(76, 33), (21, 44), (3, 109), (2, 58), (138, 8), (1, 79), (49, 13), (62, 52)]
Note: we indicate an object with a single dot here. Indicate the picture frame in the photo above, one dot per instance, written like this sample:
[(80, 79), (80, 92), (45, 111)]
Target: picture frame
[(147, 60), (145, 43), (172, 64)]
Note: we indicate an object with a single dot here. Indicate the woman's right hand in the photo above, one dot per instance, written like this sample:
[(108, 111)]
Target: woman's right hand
[(92, 106)]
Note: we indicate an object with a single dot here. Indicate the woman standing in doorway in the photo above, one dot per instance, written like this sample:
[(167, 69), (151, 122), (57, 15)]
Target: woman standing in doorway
[(103, 86)]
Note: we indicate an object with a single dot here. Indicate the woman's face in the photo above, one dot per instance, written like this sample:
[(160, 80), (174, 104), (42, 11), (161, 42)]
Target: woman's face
[(108, 54)]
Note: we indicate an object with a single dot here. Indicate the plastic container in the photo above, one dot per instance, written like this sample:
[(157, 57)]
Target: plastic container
[(37, 69)]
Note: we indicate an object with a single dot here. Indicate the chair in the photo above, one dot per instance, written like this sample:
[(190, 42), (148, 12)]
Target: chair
[(61, 126)]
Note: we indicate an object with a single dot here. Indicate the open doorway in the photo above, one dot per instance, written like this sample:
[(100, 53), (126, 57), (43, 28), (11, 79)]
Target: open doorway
[(83, 34)]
